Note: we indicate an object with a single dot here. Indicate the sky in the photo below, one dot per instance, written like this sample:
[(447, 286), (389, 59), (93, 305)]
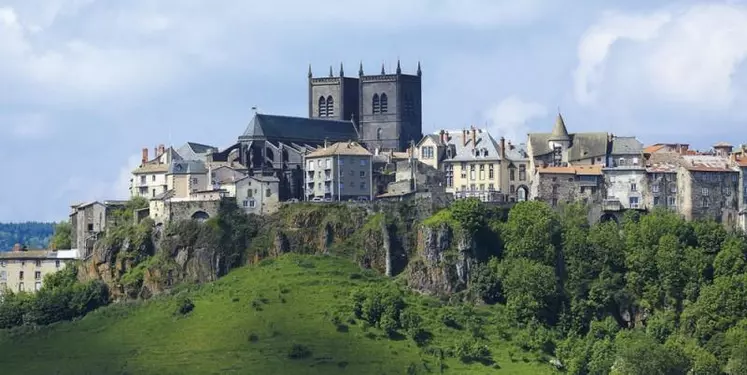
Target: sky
[(86, 84)]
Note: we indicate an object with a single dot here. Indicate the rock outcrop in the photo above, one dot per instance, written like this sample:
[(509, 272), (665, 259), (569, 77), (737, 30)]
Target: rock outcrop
[(443, 260)]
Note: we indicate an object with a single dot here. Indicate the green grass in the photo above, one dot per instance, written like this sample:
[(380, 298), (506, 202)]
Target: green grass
[(247, 323)]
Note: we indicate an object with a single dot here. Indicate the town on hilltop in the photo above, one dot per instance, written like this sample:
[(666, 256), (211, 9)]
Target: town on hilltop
[(362, 142)]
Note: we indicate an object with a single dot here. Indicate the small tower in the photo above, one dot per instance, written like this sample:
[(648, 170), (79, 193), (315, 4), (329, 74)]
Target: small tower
[(559, 141)]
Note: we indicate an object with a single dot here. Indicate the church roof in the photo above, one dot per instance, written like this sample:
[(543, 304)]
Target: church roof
[(298, 129), (583, 145), (559, 131), (187, 167)]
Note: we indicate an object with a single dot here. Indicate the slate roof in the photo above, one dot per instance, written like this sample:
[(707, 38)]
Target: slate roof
[(298, 129), (517, 152), (587, 170), (707, 163), (196, 151), (465, 150), (583, 145), (626, 146), (559, 131), (187, 167), (340, 148)]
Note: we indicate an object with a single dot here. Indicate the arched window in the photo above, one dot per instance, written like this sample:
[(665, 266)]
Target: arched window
[(522, 194), (384, 103), (330, 106), (378, 134), (322, 107), (375, 105)]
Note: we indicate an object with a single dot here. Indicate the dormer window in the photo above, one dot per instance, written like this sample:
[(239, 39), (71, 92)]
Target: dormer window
[(485, 152)]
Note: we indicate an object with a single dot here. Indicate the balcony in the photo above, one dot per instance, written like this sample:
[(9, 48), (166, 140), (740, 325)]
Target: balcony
[(488, 196), (612, 205)]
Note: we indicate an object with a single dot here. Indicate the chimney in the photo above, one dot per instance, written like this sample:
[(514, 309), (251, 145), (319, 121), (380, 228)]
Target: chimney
[(442, 133), (145, 155), (464, 137), (503, 148), (161, 150)]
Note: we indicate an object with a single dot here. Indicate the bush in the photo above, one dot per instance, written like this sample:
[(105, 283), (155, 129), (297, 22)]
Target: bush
[(380, 307), (184, 306), (298, 351), (469, 350)]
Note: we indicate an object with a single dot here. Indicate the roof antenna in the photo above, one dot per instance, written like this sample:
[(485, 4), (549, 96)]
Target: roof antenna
[(255, 109)]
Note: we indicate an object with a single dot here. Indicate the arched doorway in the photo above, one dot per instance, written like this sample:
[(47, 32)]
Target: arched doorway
[(522, 193), (200, 216), (609, 217)]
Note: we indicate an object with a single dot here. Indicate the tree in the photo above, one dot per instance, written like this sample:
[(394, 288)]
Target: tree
[(530, 289), (533, 232), (732, 259), (62, 238)]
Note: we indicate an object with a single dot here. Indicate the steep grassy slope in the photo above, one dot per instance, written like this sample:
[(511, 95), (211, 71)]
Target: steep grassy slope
[(247, 322)]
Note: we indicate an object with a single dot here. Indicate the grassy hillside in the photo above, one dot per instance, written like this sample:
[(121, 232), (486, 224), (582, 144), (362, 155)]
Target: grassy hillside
[(249, 321)]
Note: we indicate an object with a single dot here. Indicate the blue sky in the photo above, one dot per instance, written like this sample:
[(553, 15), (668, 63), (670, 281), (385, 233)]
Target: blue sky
[(87, 83)]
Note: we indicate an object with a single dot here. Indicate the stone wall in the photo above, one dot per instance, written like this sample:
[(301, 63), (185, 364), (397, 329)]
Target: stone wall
[(661, 191), (184, 210), (556, 188), (711, 195)]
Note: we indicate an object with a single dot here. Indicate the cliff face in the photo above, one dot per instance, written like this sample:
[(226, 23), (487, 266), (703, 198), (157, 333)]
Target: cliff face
[(443, 260)]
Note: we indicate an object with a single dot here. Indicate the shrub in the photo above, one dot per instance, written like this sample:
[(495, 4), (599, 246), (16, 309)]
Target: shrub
[(380, 307), (298, 351), (469, 350), (184, 306)]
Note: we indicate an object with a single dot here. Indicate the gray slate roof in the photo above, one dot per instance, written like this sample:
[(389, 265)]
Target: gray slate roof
[(298, 129), (187, 167), (559, 131), (517, 152), (626, 146), (583, 145), (196, 151), (466, 152)]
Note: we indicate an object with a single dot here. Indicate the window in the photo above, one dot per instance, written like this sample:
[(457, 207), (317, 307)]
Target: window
[(328, 163), (249, 193), (311, 165), (23, 262), (673, 188), (633, 187), (472, 172), (449, 169), (342, 185), (38, 263), (512, 174), (464, 187), (246, 203), (37, 286), (512, 189), (384, 103), (194, 181), (330, 107), (153, 178), (20, 275), (268, 193), (655, 188), (37, 275), (142, 180), (704, 202), (522, 172), (57, 264), (363, 185), (20, 287), (319, 163), (2, 263), (375, 106), (3, 275), (426, 152), (633, 202), (671, 201), (491, 172), (472, 187), (463, 166), (378, 134), (621, 161), (152, 194), (491, 187), (656, 201), (482, 171), (482, 187), (364, 162), (252, 203), (704, 191), (322, 107), (363, 173)]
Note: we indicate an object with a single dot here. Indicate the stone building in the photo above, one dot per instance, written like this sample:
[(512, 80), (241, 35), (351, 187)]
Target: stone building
[(258, 194), (23, 270), (661, 180), (90, 221), (475, 165), (556, 185), (739, 158), (149, 179), (560, 148), (340, 171), (625, 175), (709, 189), (185, 177), (276, 145), (386, 107)]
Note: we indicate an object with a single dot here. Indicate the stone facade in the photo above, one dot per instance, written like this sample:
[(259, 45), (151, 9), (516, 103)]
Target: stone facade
[(627, 186), (556, 185), (386, 107), (709, 195), (190, 209), (258, 194), (89, 221)]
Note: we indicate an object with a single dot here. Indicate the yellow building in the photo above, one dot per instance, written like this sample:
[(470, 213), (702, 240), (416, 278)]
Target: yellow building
[(475, 165), (24, 270)]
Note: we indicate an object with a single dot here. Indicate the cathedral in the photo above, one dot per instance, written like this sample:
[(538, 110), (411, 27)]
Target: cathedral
[(386, 107), (381, 111)]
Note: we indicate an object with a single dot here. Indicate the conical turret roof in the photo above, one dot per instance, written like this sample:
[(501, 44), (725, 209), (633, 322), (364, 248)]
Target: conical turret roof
[(559, 131)]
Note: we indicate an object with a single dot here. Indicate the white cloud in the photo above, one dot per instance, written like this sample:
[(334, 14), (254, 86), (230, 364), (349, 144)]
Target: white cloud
[(685, 56), (509, 118), (596, 43)]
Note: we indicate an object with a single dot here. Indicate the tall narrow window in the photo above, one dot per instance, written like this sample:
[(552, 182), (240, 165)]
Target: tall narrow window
[(384, 103), (322, 107), (330, 106), (376, 104), (378, 134)]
